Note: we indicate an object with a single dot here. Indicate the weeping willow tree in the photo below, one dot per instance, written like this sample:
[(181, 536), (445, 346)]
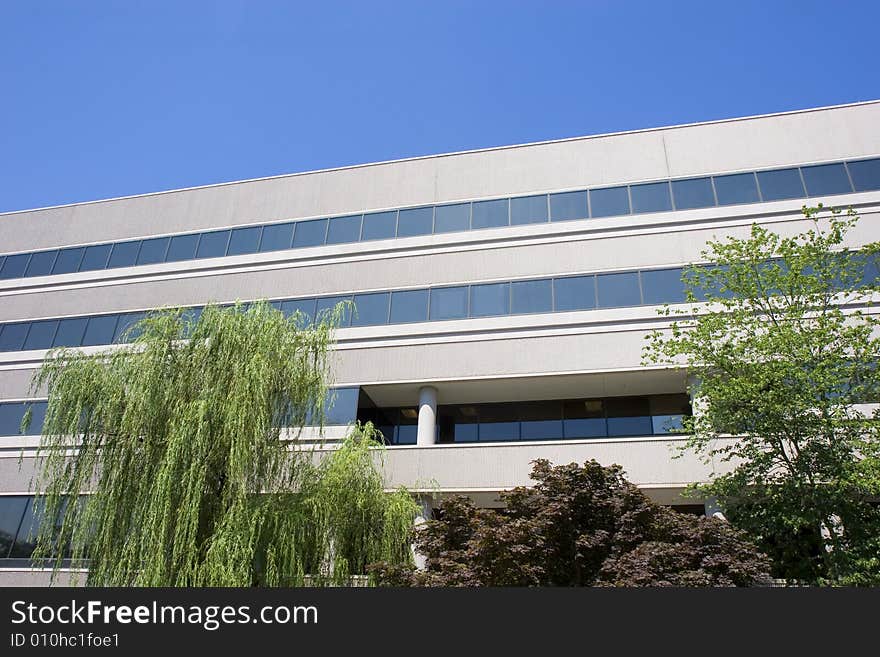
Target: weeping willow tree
[(183, 449)]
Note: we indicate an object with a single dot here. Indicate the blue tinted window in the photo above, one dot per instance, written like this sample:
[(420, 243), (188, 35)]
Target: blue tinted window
[(415, 221), (452, 218), (528, 210), (124, 254), (12, 336), (865, 174), (531, 296), (490, 214), (661, 424), (341, 405), (780, 184), (41, 263), (14, 266), (449, 303), (277, 237), (650, 197), (153, 251), (306, 308), (736, 188), (663, 286), (70, 332), (326, 305), (38, 416), (568, 205), (499, 431), (826, 179), (68, 261), (244, 240), (630, 426), (126, 327), (593, 427), (409, 306), (344, 229), (609, 202), (11, 511), (618, 290), (213, 245), (490, 299), (182, 247), (370, 309), (694, 193), (378, 226), (541, 430), (10, 419), (406, 434), (41, 335), (466, 432), (575, 293), (95, 257), (100, 330), (310, 233)]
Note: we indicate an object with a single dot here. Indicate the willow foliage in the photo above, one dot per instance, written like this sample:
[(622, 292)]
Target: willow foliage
[(173, 446)]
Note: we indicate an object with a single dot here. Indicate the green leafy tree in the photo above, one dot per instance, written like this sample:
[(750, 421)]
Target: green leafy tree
[(782, 358), (578, 526), (173, 445)]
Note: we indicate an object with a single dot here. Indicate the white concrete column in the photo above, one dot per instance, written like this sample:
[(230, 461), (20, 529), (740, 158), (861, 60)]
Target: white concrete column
[(427, 432)]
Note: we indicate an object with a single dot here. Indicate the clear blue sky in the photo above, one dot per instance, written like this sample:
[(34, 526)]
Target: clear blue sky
[(102, 99)]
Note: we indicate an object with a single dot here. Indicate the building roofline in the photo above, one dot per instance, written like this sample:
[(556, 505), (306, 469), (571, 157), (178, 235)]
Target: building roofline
[(442, 155)]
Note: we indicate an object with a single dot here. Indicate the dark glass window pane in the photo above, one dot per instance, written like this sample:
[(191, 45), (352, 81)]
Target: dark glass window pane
[(575, 293), (12, 509), (10, 419), (12, 336), (609, 202), (415, 221), (627, 406), (378, 226), (630, 426), (490, 214), (95, 257), (650, 197), (341, 406), (41, 334), (452, 218), (826, 179), (449, 303), (344, 229), (409, 306), (466, 432), (14, 266), (736, 188), (25, 542), (568, 205), (100, 330), (406, 434), (68, 261), (213, 245), (277, 237), (528, 210), (617, 290), (310, 233), (124, 254), (182, 247), (663, 286), (370, 309), (153, 251), (41, 263), (499, 431), (542, 430), (38, 416), (780, 184), (531, 296), (70, 332), (661, 424), (694, 193), (306, 307), (244, 240), (490, 299), (126, 327), (326, 305), (865, 174), (593, 427)]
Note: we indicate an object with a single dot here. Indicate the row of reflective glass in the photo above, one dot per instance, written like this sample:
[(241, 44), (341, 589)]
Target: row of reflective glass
[(537, 420), (568, 293), (685, 194), (19, 521), (340, 408)]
